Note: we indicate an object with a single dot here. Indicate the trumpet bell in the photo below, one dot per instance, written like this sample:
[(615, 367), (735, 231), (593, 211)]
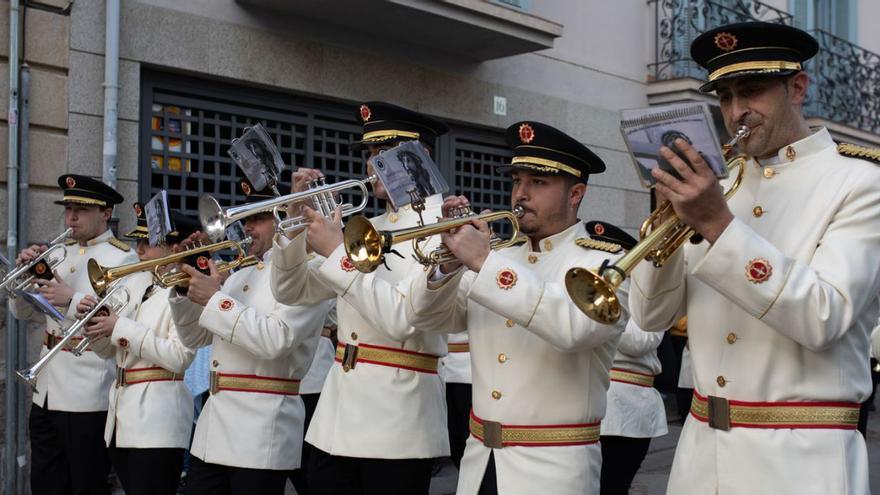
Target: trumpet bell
[(364, 245), (593, 295), (97, 276), (213, 218)]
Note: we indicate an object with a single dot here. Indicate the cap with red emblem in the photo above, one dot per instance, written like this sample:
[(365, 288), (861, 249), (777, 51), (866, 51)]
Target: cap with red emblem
[(541, 148), (183, 226), (751, 49), (251, 194), (386, 123), (606, 232), (82, 190)]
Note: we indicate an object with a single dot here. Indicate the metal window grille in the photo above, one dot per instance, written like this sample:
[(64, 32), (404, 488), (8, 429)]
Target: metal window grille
[(187, 125)]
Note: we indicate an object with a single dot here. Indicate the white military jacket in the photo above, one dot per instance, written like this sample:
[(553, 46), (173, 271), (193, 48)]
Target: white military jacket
[(635, 408), (315, 377), (71, 383), (252, 335), (779, 309), (536, 359), (372, 411), (455, 367), (156, 414)]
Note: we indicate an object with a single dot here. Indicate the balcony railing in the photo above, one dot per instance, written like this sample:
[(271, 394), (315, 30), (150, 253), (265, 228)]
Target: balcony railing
[(678, 22), (845, 78), (844, 84)]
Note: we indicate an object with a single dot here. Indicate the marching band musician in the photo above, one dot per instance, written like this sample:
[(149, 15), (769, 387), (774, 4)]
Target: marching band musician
[(151, 411), (781, 295), (70, 402), (249, 434), (635, 412), (540, 367), (381, 420)]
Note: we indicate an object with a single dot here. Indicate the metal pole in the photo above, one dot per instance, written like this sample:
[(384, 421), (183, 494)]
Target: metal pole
[(11, 470), (21, 327), (111, 91)]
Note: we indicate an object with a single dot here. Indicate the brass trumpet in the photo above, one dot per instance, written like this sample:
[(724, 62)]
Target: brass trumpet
[(102, 277), (594, 292), (366, 247), (116, 298), (45, 261), (215, 218)]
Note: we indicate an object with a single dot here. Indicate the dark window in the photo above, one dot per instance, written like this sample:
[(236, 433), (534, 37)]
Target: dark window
[(187, 125)]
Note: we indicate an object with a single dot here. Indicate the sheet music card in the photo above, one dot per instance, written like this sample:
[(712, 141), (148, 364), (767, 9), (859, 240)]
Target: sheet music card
[(405, 168), (158, 218), (645, 130), (257, 156)]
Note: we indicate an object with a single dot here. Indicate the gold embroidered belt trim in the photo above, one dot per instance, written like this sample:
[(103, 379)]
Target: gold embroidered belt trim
[(253, 383), (723, 414), (459, 347), (51, 341), (496, 435), (631, 377), (141, 375), (349, 355)]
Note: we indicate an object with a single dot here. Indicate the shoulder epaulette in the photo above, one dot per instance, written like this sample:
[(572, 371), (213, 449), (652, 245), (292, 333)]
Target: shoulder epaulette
[(856, 151), (70, 242), (119, 244), (609, 247)]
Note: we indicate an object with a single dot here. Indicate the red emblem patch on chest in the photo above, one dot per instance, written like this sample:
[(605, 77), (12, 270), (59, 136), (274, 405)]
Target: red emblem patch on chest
[(226, 304), (365, 113), (506, 278), (123, 343), (346, 264), (526, 133), (758, 270)]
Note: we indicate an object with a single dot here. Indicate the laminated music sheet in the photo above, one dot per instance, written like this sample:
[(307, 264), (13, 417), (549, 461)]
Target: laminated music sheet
[(158, 218), (41, 304), (407, 169), (645, 130), (257, 156)]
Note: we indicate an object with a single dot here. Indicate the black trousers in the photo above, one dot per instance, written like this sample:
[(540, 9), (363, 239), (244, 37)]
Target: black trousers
[(337, 475), (148, 471), (213, 479), (866, 406), (458, 410), (489, 485), (298, 476), (621, 458), (68, 454)]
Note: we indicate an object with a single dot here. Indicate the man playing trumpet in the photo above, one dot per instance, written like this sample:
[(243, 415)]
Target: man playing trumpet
[(381, 418), (781, 296), (70, 402), (149, 422), (249, 434), (540, 369)]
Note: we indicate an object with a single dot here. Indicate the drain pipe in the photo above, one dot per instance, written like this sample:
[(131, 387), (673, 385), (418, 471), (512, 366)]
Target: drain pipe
[(24, 181), (111, 91), (10, 469)]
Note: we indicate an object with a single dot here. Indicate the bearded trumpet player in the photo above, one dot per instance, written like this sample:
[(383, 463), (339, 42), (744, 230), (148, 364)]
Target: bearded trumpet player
[(249, 434), (540, 369), (150, 417), (70, 405), (781, 295)]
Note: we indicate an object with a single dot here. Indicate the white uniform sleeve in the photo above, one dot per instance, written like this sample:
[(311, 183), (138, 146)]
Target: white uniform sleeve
[(439, 304), (659, 295), (636, 342), (381, 303), (267, 336), (144, 342), (185, 314), (293, 278), (541, 307)]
